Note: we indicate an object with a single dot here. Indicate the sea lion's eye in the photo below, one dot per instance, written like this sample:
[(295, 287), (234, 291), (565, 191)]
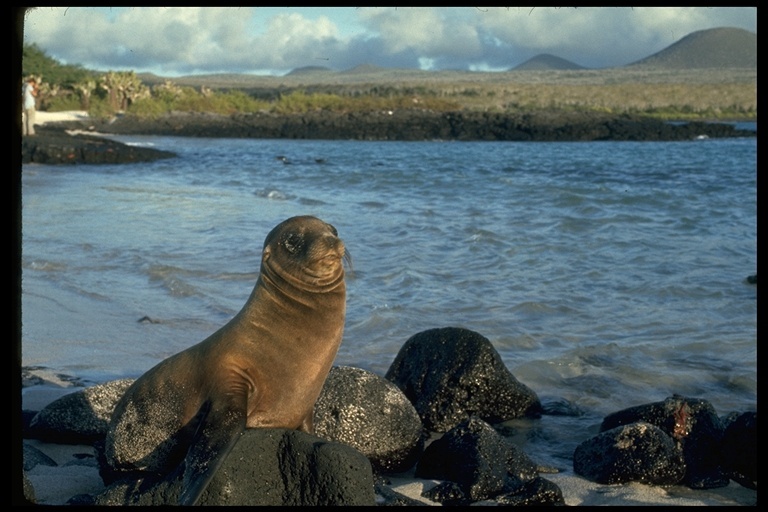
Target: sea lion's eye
[(293, 243), (333, 230)]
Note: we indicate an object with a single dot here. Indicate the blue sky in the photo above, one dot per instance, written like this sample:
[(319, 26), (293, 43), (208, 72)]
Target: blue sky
[(175, 41)]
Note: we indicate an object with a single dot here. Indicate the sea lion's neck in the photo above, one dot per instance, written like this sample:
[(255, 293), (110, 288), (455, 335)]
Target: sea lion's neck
[(319, 316), (272, 290), (292, 282)]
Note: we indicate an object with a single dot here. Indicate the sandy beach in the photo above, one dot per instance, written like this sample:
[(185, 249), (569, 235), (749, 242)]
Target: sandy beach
[(42, 118), (76, 473)]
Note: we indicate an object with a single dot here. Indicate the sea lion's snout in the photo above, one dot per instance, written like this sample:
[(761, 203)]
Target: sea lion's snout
[(329, 253), (337, 247)]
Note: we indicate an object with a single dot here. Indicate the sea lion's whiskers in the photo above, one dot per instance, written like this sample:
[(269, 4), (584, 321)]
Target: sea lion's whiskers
[(348, 261)]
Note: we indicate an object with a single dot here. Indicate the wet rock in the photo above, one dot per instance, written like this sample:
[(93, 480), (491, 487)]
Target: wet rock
[(451, 374), (477, 464), (26, 420), (27, 490), (52, 148), (28, 378), (471, 455), (32, 457), (739, 448), (276, 467), (80, 417), (637, 452), (371, 414), (538, 492), (447, 493), (694, 425)]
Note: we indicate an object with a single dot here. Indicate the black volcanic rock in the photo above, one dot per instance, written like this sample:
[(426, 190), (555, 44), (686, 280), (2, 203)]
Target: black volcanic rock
[(28, 490), (57, 147), (637, 452), (694, 425), (452, 374), (477, 463), (739, 448), (412, 124), (33, 457), (371, 414), (81, 417), (267, 467)]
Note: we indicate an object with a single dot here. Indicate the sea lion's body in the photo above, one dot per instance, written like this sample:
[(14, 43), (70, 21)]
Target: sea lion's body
[(265, 368)]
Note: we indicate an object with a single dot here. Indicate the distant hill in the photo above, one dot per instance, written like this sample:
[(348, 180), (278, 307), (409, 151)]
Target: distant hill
[(545, 61), (150, 78), (707, 56), (723, 47), (364, 69), (309, 70)]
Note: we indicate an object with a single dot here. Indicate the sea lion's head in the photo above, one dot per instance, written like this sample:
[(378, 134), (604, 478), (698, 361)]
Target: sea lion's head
[(306, 252)]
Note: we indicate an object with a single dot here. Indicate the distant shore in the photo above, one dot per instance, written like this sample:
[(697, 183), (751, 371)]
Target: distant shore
[(53, 145), (410, 124), (74, 138)]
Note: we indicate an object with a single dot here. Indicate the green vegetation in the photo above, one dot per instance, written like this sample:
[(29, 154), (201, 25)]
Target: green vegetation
[(169, 97), (660, 100), (685, 95), (299, 101), (34, 62)]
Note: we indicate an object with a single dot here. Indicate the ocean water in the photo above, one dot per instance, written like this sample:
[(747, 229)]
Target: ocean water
[(606, 274)]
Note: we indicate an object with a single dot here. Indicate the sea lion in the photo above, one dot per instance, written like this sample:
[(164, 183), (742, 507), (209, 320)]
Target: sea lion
[(265, 368)]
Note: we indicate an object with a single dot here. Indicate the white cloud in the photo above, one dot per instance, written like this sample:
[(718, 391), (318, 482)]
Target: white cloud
[(292, 40), (229, 39), (186, 39), (600, 36), (430, 31)]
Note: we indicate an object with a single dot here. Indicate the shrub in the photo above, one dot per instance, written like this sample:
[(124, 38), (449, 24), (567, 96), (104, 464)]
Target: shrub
[(64, 103), (100, 109)]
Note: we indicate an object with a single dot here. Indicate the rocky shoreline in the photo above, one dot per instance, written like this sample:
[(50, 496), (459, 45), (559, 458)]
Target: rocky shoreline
[(404, 125), (372, 432), (54, 146), (413, 125)]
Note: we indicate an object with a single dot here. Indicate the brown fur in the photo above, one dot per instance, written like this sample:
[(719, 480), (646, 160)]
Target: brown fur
[(265, 368)]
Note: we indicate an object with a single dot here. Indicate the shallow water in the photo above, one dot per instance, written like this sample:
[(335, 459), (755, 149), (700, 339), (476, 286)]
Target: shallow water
[(606, 274)]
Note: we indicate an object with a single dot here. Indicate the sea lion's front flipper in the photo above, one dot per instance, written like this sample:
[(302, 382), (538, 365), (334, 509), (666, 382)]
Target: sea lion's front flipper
[(218, 430)]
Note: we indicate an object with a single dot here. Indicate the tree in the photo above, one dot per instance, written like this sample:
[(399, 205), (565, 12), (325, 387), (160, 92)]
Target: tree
[(34, 61), (123, 88), (85, 89)]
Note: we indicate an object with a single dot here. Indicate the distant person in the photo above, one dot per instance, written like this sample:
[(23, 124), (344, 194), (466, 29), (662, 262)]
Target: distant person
[(28, 94)]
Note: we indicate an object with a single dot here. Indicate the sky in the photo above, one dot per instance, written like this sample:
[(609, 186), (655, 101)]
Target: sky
[(177, 41)]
